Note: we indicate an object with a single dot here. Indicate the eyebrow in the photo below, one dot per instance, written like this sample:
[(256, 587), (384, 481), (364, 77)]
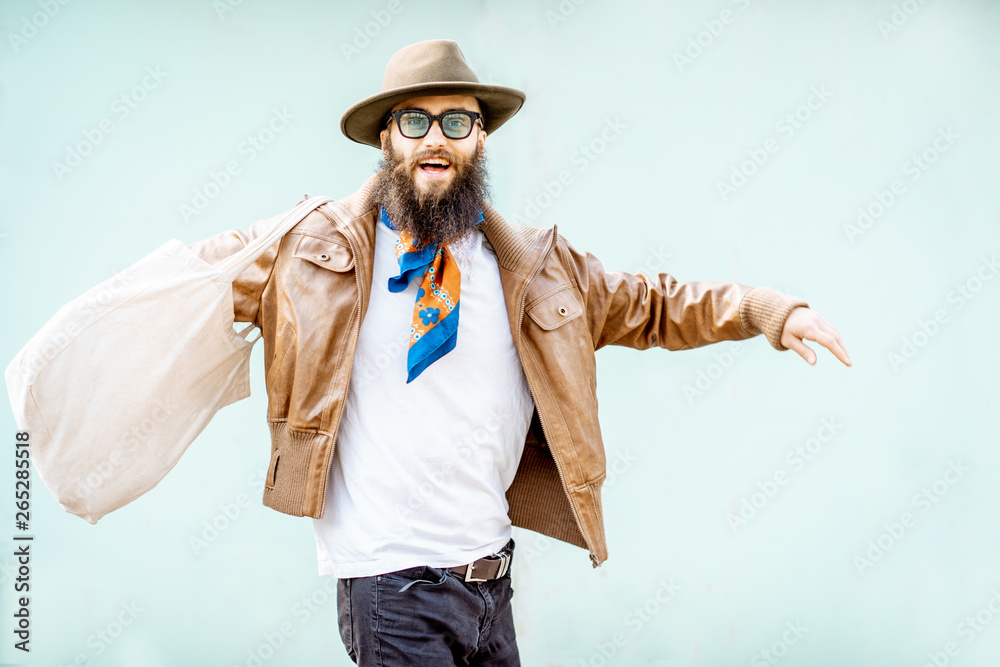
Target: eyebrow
[(418, 108)]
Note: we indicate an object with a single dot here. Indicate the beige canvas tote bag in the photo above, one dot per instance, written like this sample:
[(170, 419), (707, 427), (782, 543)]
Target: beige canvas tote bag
[(121, 380)]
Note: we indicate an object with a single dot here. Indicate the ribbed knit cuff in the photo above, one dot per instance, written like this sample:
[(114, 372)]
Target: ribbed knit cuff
[(764, 311)]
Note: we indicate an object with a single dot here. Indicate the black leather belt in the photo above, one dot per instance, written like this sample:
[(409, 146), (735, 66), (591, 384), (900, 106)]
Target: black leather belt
[(489, 567)]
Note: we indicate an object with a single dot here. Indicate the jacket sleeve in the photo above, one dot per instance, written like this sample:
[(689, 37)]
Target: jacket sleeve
[(249, 285), (638, 311)]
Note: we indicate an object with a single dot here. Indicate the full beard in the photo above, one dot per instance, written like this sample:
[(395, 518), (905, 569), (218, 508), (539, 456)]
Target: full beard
[(437, 216)]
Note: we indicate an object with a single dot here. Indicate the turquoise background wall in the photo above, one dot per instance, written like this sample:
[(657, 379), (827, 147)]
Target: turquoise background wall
[(842, 152)]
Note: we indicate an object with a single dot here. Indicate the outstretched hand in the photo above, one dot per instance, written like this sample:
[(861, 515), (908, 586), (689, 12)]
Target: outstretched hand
[(805, 323)]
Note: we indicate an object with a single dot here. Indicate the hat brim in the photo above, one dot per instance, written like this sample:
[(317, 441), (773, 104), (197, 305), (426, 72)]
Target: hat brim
[(364, 120)]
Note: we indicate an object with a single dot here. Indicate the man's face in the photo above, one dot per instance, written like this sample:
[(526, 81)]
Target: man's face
[(456, 152), (435, 205)]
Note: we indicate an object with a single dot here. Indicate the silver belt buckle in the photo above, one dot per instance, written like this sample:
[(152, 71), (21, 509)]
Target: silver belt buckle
[(502, 570), (468, 573)]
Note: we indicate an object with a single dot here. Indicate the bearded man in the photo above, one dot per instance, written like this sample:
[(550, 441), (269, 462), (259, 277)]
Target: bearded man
[(431, 374)]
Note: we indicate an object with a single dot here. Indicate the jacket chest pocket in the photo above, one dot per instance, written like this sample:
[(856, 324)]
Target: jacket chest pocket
[(554, 310), (330, 255), (320, 281)]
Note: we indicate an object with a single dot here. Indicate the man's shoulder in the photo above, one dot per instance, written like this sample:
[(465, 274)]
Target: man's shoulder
[(338, 212)]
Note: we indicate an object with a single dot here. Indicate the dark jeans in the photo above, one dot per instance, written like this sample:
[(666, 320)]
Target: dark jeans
[(427, 616)]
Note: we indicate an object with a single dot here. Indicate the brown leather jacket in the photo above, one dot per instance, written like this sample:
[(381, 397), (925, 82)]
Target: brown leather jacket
[(309, 293)]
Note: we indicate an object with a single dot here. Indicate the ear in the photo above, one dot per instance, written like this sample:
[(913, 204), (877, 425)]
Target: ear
[(482, 139), (384, 138)]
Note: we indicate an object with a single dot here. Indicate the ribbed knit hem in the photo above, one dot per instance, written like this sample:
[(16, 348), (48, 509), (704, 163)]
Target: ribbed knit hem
[(296, 472), (764, 311)]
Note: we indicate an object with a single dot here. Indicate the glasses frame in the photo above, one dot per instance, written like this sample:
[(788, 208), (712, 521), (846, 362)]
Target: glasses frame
[(474, 115)]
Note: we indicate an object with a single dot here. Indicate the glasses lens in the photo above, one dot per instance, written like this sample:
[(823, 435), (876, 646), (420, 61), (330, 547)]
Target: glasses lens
[(413, 125), (456, 125)]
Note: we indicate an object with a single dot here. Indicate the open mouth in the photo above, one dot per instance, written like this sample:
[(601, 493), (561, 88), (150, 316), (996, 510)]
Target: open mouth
[(434, 166)]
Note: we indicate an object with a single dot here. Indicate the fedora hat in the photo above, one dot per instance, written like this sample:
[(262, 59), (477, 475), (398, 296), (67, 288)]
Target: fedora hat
[(433, 67)]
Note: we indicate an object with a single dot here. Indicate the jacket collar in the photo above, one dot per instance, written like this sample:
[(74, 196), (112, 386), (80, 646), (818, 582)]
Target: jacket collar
[(519, 248)]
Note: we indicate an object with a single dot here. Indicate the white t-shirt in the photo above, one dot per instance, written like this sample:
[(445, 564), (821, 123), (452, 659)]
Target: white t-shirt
[(420, 470)]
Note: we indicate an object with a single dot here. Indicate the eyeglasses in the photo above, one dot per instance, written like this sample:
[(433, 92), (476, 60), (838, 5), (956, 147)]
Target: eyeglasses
[(415, 124)]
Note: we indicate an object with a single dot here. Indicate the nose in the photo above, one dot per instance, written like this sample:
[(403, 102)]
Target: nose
[(435, 135)]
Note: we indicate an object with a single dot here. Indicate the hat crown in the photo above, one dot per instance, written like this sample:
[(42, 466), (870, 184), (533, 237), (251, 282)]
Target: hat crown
[(431, 61), (432, 67)]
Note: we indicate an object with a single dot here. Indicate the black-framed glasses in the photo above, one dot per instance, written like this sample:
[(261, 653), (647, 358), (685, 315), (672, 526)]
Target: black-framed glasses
[(416, 123)]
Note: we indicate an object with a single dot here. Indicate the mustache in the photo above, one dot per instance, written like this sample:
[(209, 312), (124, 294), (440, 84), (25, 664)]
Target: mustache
[(456, 160)]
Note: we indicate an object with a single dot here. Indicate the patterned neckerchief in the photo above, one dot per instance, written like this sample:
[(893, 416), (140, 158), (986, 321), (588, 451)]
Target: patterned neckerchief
[(434, 331)]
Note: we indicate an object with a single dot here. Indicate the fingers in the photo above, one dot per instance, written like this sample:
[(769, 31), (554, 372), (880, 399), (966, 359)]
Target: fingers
[(830, 339), (822, 332), (804, 350)]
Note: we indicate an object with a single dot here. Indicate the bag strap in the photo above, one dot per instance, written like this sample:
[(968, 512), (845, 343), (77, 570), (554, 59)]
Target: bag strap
[(235, 265), (345, 215)]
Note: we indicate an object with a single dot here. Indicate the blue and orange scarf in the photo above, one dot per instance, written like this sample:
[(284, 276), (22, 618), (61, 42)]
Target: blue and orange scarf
[(434, 331)]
